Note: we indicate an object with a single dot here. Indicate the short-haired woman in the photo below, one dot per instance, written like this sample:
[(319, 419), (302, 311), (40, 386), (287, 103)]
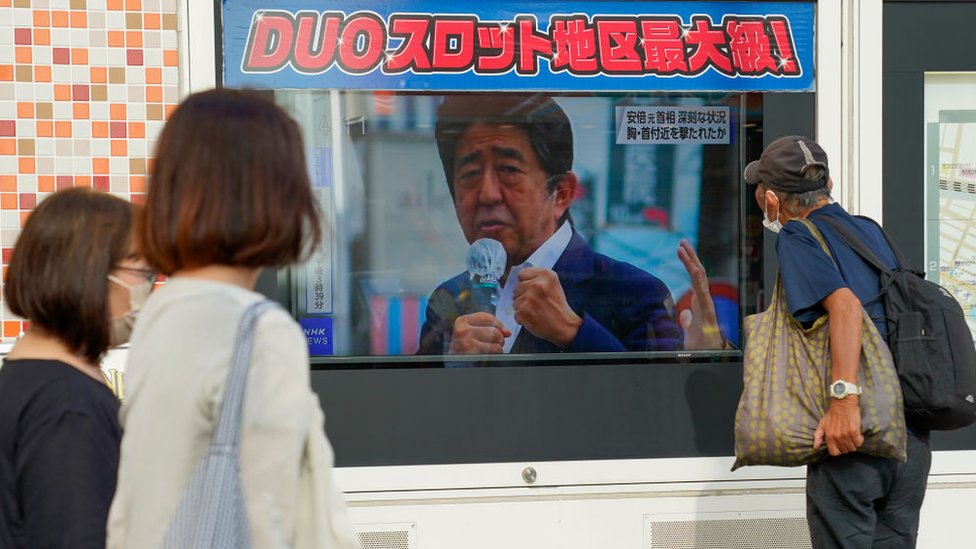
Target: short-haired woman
[(228, 195), (75, 277)]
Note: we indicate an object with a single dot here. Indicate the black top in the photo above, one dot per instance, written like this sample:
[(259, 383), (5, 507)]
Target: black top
[(59, 452)]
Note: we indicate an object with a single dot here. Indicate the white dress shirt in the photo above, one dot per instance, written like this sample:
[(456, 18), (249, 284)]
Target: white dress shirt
[(545, 256)]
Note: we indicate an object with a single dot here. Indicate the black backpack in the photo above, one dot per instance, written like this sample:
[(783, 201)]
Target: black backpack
[(929, 340)]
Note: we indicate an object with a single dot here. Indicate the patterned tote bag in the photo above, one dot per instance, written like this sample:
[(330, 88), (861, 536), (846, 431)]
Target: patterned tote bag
[(211, 513), (786, 378)]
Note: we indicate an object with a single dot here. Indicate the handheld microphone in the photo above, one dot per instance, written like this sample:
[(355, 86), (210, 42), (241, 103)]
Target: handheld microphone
[(486, 265)]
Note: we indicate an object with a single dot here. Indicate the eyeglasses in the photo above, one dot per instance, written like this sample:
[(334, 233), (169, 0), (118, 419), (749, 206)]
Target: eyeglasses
[(150, 275)]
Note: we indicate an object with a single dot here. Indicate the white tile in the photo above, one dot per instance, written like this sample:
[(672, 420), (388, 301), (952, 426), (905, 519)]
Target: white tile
[(150, 5), (150, 39), (62, 111), (168, 6), (118, 165), (79, 38), (64, 149), (169, 39), (118, 184), (10, 219), (96, 19), (21, 17), (81, 165), (27, 183), (116, 93), (8, 109), (60, 38), (8, 164), (81, 129), (7, 53), (26, 128), (24, 91), (115, 57), (61, 74), (153, 58), (153, 128), (63, 165), (171, 75), (171, 94), (41, 4), (137, 111), (80, 74), (100, 147), (9, 238), (7, 91), (96, 5), (82, 147), (137, 94), (45, 164), (42, 55), (114, 20), (137, 147), (6, 34), (60, 4), (135, 75), (97, 38), (97, 57), (99, 110), (44, 146)]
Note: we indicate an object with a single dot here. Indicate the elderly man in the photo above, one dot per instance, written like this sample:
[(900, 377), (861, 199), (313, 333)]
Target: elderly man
[(853, 500), (508, 162)]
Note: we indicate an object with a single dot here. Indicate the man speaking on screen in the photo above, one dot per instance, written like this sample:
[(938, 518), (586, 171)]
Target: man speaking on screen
[(508, 162)]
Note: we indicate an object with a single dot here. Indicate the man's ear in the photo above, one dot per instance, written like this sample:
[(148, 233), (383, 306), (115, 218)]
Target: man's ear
[(564, 193)]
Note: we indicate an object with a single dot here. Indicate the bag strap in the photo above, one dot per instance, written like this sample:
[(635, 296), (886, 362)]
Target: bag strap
[(817, 236), (227, 433), (856, 244)]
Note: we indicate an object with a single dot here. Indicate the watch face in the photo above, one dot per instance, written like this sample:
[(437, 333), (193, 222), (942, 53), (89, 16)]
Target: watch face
[(837, 388)]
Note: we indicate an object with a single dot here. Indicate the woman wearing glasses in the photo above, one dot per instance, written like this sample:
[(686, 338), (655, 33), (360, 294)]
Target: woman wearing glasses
[(229, 195), (75, 277)]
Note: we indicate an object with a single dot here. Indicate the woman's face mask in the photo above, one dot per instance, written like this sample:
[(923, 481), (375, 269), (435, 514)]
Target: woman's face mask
[(772, 224), (121, 328)]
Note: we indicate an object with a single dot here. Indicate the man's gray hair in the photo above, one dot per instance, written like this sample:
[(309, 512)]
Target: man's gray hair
[(805, 201)]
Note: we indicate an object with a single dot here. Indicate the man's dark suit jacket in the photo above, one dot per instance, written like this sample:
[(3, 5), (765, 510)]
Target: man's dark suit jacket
[(623, 308)]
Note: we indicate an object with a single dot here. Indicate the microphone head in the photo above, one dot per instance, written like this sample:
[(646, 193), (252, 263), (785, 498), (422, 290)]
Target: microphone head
[(486, 261)]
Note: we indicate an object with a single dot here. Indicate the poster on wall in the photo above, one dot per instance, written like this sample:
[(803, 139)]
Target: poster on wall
[(509, 45), (952, 208)]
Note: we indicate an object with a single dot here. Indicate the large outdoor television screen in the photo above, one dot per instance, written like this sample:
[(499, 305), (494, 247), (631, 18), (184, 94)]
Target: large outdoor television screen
[(476, 229)]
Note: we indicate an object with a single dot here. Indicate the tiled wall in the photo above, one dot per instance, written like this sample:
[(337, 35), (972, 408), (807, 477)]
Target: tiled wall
[(84, 88)]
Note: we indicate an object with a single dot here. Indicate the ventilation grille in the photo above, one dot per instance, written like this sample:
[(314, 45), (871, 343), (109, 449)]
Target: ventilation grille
[(958, 186), (751, 533), (388, 536)]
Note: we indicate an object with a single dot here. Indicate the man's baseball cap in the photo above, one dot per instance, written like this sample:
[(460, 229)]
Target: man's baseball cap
[(792, 164)]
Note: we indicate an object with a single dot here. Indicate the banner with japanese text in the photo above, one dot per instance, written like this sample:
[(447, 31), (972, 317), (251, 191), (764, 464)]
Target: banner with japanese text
[(411, 45)]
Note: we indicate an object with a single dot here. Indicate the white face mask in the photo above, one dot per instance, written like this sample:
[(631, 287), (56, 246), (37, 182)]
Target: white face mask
[(772, 224), (121, 328)]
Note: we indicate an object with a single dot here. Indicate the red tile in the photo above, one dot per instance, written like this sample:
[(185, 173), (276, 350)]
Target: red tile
[(28, 201), (133, 57), (100, 182), (61, 56), (79, 92), (8, 128), (22, 37), (63, 182), (116, 129), (7, 252)]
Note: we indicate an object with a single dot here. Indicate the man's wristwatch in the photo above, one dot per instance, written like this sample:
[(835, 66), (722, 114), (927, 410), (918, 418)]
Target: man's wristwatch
[(840, 389)]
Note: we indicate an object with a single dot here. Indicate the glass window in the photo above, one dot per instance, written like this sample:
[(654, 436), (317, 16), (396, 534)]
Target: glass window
[(588, 195)]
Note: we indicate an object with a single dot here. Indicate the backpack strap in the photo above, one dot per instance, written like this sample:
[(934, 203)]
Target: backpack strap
[(860, 248)]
